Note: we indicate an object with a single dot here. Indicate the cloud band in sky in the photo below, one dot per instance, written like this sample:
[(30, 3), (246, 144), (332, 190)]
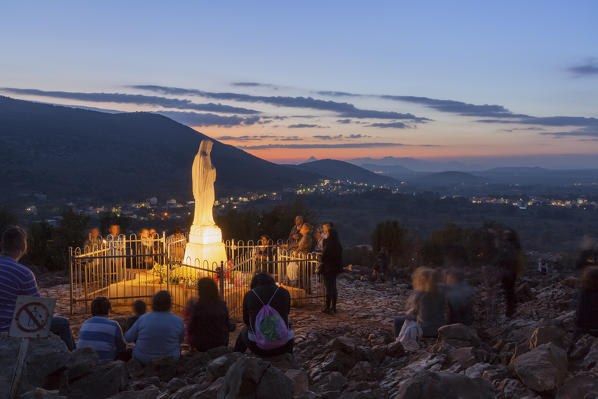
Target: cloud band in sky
[(344, 109), (137, 99)]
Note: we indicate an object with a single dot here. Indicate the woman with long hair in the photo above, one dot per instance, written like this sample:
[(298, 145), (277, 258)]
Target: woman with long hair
[(332, 265), (207, 319)]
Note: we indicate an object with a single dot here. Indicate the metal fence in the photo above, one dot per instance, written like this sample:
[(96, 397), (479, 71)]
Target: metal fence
[(126, 268)]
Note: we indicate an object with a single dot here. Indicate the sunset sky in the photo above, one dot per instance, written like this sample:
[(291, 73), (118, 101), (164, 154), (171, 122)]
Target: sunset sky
[(335, 79)]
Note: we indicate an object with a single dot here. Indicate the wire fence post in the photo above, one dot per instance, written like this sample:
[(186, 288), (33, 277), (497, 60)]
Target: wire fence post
[(71, 277), (220, 274)]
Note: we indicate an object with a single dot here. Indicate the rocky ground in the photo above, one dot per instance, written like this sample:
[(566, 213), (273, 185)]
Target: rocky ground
[(353, 354)]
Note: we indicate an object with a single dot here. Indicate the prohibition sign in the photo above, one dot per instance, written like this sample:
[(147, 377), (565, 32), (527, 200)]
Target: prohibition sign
[(32, 317)]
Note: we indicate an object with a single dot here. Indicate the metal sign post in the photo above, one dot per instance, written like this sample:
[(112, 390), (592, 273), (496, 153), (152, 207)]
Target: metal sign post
[(32, 319)]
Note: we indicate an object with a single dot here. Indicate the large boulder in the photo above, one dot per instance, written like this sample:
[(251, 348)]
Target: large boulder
[(300, 382), (584, 385), (164, 367), (40, 393), (581, 347), (45, 357), (395, 349), (590, 360), (467, 356), (150, 392), (107, 379), (186, 392), (342, 344), (211, 392), (458, 335), (249, 377), (431, 385), (543, 369), (511, 388), (274, 384), (218, 367), (550, 333), (81, 362)]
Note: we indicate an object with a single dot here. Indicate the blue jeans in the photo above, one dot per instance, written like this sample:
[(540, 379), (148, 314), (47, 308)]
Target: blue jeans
[(62, 327)]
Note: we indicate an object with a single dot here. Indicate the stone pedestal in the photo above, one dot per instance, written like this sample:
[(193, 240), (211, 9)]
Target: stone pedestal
[(205, 247)]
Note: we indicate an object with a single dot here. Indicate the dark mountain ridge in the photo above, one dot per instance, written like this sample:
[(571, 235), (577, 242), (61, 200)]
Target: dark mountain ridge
[(69, 152)]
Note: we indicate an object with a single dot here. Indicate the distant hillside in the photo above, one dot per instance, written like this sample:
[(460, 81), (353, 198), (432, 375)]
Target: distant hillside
[(449, 178), (541, 176), (334, 169), (68, 152), (414, 164), (394, 171)]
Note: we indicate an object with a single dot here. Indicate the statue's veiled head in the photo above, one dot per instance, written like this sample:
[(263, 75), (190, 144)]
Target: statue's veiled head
[(206, 147)]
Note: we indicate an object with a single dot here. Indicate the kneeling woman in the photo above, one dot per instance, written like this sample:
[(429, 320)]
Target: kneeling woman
[(267, 331)]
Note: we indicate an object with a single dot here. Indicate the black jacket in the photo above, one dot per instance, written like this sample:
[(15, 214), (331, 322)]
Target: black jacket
[(332, 257), (252, 305), (208, 325)]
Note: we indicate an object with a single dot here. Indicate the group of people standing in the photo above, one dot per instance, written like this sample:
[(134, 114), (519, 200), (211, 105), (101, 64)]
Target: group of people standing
[(325, 243)]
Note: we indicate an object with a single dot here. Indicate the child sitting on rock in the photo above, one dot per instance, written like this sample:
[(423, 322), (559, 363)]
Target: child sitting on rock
[(426, 304), (139, 308), (102, 334), (586, 316)]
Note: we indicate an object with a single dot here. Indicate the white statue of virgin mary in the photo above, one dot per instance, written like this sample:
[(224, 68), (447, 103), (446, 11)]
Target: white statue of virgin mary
[(205, 238), (203, 177)]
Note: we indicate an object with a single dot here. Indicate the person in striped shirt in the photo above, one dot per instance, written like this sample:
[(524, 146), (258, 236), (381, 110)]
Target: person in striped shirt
[(16, 279), (102, 334)]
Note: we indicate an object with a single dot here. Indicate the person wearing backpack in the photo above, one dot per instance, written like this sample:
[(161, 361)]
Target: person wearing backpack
[(266, 316)]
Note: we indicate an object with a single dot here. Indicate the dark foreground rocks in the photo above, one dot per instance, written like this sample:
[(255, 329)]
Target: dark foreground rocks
[(352, 355)]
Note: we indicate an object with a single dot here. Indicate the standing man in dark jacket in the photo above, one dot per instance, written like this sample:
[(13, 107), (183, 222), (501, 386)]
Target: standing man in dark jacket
[(264, 287), (332, 265)]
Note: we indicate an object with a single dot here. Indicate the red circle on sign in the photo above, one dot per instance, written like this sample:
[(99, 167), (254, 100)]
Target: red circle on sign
[(39, 325)]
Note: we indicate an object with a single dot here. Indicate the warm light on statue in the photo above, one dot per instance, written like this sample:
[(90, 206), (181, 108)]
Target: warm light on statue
[(205, 238)]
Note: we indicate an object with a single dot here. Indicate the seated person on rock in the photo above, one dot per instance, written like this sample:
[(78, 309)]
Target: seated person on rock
[(426, 304), (139, 308), (158, 333), (266, 331), (16, 279), (459, 296), (586, 316), (102, 334), (207, 321)]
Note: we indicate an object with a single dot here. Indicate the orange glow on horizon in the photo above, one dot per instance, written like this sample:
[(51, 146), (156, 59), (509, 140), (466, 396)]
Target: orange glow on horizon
[(447, 147)]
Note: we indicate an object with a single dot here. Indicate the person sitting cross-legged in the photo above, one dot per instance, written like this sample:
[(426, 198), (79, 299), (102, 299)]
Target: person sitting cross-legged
[(102, 334), (267, 331), (207, 320), (158, 333)]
